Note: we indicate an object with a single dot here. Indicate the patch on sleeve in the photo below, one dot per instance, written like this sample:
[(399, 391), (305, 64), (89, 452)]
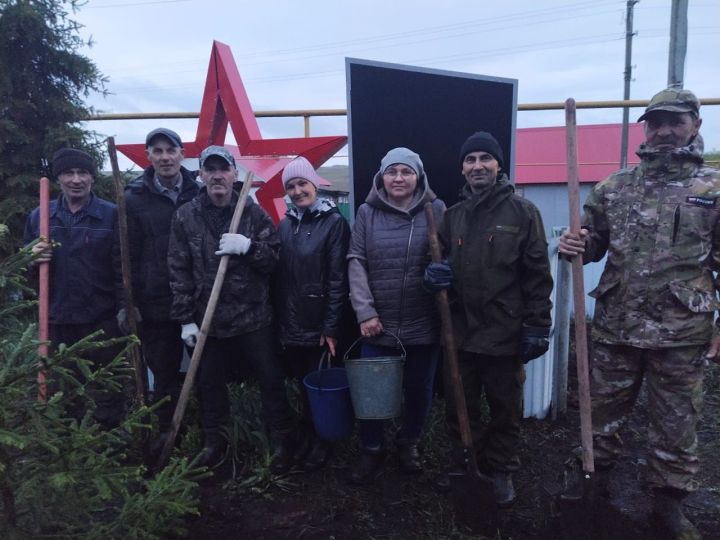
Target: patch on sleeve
[(705, 202)]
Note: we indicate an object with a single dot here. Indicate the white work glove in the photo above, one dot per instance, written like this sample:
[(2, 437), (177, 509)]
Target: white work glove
[(189, 334), (233, 244)]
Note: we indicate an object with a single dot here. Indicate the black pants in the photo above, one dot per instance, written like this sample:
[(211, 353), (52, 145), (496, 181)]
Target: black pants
[(501, 379), (298, 362), (110, 405), (223, 359), (163, 352)]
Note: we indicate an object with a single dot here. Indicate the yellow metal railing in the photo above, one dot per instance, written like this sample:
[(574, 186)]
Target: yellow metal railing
[(307, 114)]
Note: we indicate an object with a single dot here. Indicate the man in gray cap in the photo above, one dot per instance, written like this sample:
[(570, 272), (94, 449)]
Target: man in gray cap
[(499, 277), (151, 200), (241, 335), (659, 225)]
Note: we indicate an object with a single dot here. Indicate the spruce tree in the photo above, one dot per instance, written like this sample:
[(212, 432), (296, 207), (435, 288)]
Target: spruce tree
[(43, 81)]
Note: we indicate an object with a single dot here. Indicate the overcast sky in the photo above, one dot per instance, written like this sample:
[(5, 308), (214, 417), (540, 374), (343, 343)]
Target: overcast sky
[(291, 54)]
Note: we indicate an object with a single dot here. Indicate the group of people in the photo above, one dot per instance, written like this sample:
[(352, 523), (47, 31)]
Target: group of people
[(287, 290)]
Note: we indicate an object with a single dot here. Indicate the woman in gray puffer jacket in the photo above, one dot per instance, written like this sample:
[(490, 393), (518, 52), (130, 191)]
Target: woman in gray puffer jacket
[(387, 258)]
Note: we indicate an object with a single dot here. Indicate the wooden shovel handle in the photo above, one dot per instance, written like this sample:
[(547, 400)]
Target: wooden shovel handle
[(135, 356), (43, 289), (581, 343), (450, 351), (204, 329)]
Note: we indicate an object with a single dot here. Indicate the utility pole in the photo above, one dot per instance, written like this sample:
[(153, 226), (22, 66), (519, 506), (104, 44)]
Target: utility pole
[(678, 43), (628, 77)]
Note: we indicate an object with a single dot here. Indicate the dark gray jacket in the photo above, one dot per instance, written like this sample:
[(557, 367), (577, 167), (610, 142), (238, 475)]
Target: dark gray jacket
[(244, 303), (389, 251)]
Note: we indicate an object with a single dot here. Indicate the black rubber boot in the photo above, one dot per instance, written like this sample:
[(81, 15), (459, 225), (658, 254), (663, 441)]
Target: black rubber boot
[(409, 460), (284, 457), (668, 511), (317, 456), (213, 452), (443, 480), (503, 489), (367, 466)]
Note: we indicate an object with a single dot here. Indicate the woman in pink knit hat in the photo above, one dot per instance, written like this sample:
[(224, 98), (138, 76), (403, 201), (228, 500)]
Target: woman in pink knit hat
[(311, 289)]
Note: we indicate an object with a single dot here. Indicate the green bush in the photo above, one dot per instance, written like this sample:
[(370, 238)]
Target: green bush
[(67, 477)]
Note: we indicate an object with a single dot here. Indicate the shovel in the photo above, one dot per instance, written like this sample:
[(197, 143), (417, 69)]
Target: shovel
[(575, 502), (44, 291), (135, 354), (204, 330), (472, 492)]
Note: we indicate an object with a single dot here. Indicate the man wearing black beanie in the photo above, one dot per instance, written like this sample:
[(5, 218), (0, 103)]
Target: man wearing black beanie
[(81, 252), (499, 277)]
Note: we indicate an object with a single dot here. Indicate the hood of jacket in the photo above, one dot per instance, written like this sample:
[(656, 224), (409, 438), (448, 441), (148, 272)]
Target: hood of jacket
[(324, 207), (378, 197), (680, 162)]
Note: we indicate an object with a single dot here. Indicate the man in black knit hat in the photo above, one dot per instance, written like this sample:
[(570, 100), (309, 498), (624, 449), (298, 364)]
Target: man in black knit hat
[(498, 274), (82, 253)]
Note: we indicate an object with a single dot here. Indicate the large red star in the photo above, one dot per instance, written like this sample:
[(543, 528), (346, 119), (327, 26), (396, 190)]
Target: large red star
[(224, 103)]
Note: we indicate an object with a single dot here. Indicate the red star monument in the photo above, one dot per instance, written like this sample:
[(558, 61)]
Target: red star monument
[(224, 103)]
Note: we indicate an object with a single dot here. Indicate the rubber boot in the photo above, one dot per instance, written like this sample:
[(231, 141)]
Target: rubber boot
[(668, 511), (284, 457), (367, 466), (503, 489), (318, 454), (213, 452), (409, 460)]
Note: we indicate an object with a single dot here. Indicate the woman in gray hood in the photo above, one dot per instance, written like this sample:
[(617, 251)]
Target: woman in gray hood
[(388, 254)]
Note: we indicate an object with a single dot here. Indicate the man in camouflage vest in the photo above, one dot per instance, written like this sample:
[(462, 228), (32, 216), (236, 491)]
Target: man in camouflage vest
[(659, 224)]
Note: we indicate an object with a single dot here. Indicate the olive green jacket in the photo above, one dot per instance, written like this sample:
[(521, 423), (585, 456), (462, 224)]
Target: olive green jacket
[(495, 243), (659, 224)]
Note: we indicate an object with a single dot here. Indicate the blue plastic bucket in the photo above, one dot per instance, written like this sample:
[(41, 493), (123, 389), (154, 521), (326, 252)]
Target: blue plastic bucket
[(376, 385), (330, 405)]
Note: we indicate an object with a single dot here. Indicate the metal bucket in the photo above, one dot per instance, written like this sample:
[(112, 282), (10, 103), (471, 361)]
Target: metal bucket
[(330, 405), (376, 384)]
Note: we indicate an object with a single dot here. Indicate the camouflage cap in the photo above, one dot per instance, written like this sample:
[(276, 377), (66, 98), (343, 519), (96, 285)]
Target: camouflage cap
[(674, 100), (218, 151)]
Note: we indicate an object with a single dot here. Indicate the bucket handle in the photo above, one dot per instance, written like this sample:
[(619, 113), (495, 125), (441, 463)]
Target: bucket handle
[(324, 359), (404, 354)]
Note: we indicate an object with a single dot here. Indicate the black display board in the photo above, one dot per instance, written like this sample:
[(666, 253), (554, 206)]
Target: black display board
[(429, 111)]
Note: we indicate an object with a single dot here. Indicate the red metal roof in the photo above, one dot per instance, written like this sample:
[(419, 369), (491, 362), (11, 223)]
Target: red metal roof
[(541, 152)]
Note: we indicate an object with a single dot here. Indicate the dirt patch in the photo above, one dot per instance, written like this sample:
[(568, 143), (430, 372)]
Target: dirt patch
[(323, 505)]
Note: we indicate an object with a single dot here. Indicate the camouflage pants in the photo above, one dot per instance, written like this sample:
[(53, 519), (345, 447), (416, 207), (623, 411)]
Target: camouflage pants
[(674, 383)]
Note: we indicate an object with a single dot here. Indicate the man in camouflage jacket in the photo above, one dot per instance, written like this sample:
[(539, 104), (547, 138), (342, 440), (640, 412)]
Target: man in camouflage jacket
[(241, 334), (659, 224)]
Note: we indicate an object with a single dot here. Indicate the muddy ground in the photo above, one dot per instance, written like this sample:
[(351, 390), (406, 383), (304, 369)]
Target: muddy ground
[(323, 505)]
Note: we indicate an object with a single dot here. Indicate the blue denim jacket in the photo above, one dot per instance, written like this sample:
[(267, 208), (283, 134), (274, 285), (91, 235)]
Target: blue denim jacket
[(82, 271)]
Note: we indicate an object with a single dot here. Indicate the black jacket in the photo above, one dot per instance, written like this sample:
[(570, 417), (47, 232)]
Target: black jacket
[(149, 215), (311, 286), (244, 304), (497, 249)]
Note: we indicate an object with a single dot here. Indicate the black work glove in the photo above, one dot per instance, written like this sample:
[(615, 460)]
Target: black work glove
[(438, 276), (534, 342)]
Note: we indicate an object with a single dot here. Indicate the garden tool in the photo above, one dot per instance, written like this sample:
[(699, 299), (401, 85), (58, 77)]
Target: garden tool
[(473, 495), (135, 354), (204, 329)]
